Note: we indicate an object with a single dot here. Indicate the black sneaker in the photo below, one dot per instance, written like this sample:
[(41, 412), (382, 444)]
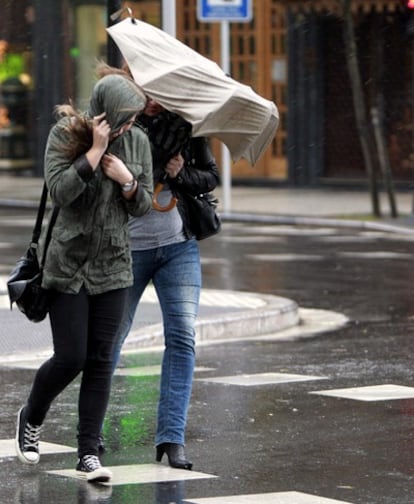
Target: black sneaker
[(89, 467), (27, 439)]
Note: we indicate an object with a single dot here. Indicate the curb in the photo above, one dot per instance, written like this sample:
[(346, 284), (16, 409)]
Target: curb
[(265, 219), (277, 314), (314, 221), (269, 314)]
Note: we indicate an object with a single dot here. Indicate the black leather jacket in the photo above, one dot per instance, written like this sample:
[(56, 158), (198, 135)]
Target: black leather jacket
[(170, 134)]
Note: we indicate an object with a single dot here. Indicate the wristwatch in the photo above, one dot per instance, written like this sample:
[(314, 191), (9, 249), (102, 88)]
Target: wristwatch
[(128, 186)]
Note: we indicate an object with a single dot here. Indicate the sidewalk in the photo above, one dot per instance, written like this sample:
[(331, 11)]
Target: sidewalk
[(223, 314), (341, 207)]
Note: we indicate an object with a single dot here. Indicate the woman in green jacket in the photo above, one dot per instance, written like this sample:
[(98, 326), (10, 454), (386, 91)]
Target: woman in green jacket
[(98, 170)]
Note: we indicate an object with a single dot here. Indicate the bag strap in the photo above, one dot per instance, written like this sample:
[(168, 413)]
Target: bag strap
[(39, 218), (49, 233), (38, 224)]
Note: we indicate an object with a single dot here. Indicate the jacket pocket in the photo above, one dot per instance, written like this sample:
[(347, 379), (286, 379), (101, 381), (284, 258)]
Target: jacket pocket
[(67, 252), (115, 255)]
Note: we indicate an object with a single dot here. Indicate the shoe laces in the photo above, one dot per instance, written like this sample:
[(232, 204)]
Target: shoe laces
[(31, 436), (91, 462)]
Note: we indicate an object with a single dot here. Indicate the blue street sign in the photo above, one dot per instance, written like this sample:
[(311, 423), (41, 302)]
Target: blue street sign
[(224, 10)]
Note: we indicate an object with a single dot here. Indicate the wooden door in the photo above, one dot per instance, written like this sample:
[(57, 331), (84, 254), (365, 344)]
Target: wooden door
[(258, 59)]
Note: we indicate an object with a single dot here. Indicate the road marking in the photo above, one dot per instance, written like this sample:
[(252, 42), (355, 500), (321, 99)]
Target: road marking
[(150, 370), (251, 380), (378, 254), (268, 498), (386, 392), (141, 473), (7, 448), (285, 257)]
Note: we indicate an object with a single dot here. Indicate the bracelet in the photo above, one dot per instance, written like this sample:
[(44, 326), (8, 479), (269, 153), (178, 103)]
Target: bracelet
[(128, 186)]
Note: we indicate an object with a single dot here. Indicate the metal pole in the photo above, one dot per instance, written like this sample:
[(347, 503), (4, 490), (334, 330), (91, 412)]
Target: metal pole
[(412, 106), (384, 160), (48, 73), (113, 55), (169, 22), (225, 155)]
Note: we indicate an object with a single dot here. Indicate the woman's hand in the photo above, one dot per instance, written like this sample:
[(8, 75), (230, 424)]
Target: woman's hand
[(174, 165), (100, 131), (115, 169)]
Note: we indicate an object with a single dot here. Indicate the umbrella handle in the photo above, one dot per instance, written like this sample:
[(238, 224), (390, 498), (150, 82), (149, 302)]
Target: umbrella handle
[(156, 205)]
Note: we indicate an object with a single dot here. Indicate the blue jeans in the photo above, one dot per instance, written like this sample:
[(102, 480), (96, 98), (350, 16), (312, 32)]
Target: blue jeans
[(175, 272)]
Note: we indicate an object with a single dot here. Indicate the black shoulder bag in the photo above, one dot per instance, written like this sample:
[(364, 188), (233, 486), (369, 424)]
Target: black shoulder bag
[(204, 221), (25, 281)]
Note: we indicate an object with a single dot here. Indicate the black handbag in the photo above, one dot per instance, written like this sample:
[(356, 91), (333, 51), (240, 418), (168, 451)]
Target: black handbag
[(24, 284), (203, 218)]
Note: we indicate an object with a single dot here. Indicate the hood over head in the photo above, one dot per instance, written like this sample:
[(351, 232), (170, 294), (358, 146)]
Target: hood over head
[(118, 97)]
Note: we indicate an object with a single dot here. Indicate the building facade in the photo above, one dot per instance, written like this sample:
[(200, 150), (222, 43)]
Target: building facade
[(292, 52)]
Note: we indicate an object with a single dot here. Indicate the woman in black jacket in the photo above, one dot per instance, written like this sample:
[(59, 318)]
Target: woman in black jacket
[(165, 251)]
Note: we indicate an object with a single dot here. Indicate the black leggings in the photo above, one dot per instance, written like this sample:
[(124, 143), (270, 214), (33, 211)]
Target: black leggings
[(84, 329)]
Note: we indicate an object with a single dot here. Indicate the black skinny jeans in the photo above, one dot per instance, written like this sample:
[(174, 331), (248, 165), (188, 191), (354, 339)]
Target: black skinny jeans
[(84, 329)]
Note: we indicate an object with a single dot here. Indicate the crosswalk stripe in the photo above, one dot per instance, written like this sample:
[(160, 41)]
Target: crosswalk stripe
[(141, 473), (268, 498), (384, 392), (249, 380), (7, 448)]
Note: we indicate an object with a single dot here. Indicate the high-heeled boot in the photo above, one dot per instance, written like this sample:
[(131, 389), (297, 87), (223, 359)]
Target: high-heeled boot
[(176, 455)]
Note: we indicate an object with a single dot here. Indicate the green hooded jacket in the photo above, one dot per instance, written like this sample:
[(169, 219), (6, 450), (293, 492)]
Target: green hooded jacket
[(90, 243)]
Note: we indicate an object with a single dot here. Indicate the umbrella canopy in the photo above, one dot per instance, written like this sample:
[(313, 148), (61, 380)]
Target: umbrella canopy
[(185, 82)]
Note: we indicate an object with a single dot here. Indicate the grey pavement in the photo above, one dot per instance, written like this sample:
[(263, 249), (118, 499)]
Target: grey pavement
[(223, 314), (323, 435), (344, 207)]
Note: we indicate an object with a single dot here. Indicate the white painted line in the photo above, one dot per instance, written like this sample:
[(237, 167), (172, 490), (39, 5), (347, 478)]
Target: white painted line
[(213, 260), (139, 371), (5, 302), (18, 221), (151, 370), (289, 230), (285, 257), (246, 380), (24, 364), (7, 448), (387, 392), (141, 473), (250, 239), (379, 254), (268, 498), (3, 282)]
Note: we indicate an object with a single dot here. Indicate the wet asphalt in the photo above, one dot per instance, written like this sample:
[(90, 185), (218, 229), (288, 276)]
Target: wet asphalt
[(266, 438)]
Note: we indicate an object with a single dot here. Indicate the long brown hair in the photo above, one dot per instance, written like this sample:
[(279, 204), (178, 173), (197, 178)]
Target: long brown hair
[(79, 126), (80, 131)]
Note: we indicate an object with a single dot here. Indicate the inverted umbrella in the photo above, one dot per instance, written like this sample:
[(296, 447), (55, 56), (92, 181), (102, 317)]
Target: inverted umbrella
[(185, 82)]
